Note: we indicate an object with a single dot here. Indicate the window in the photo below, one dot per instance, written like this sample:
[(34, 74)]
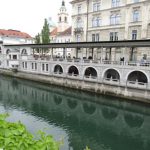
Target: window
[(79, 23), (115, 3), (113, 36), (26, 65), (35, 66), (78, 38), (65, 19), (134, 34), (43, 67), (59, 19), (96, 22), (135, 15), (115, 19), (95, 37), (112, 19), (32, 66), (23, 64), (24, 52), (46, 67), (14, 56), (79, 9), (96, 6)]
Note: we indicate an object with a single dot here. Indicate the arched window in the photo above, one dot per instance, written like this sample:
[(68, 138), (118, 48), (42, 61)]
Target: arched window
[(65, 19), (90, 72), (59, 19), (112, 74), (8, 51), (137, 76), (58, 69), (73, 71), (24, 52)]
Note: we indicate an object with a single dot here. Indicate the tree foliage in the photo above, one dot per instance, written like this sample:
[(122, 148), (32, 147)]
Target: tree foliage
[(45, 33), (37, 39), (14, 136)]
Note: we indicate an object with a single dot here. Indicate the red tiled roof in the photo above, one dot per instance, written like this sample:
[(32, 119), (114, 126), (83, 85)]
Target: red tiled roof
[(54, 32), (14, 33), (66, 32)]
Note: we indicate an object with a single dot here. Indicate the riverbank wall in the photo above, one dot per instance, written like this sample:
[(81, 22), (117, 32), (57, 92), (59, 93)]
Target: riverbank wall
[(129, 93)]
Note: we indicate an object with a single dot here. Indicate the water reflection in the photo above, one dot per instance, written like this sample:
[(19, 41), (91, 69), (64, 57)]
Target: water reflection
[(89, 109), (72, 103), (102, 126), (134, 120), (109, 113)]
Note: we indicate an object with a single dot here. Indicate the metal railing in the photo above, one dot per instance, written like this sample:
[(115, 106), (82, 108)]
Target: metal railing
[(92, 61)]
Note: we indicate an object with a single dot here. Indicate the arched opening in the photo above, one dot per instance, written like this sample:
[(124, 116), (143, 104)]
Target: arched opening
[(112, 74), (58, 69), (24, 52), (89, 109), (59, 19), (90, 72), (137, 76), (7, 51), (73, 70), (109, 113), (71, 103), (134, 121), (65, 19)]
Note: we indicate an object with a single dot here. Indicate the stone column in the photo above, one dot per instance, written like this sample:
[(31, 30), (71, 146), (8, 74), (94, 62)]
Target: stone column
[(64, 53), (52, 53), (113, 54), (92, 53), (103, 53)]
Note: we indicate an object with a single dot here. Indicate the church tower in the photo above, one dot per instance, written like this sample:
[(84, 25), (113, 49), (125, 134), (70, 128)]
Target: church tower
[(62, 18)]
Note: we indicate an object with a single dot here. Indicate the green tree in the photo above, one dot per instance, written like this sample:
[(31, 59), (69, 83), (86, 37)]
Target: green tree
[(45, 33), (37, 39)]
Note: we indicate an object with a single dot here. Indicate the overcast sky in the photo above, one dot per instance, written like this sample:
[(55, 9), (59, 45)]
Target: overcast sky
[(28, 15)]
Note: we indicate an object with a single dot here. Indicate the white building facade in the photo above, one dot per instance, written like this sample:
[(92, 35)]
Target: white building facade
[(112, 20)]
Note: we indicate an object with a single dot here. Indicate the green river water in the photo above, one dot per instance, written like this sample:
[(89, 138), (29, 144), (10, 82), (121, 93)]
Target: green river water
[(81, 119)]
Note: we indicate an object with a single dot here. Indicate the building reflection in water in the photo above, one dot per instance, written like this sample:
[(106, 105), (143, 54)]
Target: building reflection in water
[(100, 122)]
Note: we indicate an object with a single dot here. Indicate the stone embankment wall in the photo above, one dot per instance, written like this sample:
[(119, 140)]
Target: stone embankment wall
[(141, 95)]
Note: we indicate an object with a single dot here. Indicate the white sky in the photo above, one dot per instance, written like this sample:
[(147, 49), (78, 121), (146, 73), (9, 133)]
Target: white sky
[(28, 15)]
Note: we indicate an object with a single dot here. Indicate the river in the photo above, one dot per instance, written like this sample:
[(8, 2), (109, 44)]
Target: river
[(78, 118)]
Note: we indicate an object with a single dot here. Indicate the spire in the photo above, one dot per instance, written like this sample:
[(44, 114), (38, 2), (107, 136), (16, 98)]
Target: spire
[(63, 3)]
